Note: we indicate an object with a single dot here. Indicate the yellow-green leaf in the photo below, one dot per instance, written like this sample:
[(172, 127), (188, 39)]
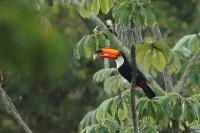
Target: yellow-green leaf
[(79, 48), (141, 50), (90, 46), (95, 7), (111, 3), (122, 113), (84, 13), (105, 6), (147, 61), (159, 60)]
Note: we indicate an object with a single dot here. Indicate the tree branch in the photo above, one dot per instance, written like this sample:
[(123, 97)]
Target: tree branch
[(175, 126), (167, 79), (182, 83), (11, 110), (166, 74), (133, 96)]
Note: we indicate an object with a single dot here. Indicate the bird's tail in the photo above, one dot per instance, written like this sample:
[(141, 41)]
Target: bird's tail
[(148, 91)]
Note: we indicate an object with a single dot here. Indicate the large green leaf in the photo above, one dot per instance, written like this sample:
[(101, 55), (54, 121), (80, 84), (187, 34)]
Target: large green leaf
[(88, 120), (90, 46), (149, 129), (105, 7), (142, 107), (113, 84), (122, 112), (187, 45), (84, 12), (79, 48), (103, 74), (189, 114), (89, 129), (159, 60), (147, 60), (140, 52), (116, 102), (102, 110), (158, 108), (95, 7), (122, 12), (177, 111)]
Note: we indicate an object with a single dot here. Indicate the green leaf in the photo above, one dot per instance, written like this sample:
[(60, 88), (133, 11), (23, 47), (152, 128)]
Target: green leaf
[(113, 84), (116, 102), (88, 120), (101, 39), (140, 52), (105, 6), (198, 111), (147, 61), (101, 129), (159, 60), (150, 16), (122, 112), (79, 48), (151, 111), (111, 124), (95, 7), (177, 111), (90, 46), (188, 111), (102, 110), (167, 52), (187, 45), (84, 13), (86, 4), (111, 3), (127, 129), (138, 17), (149, 129), (194, 76), (122, 13), (89, 129), (159, 109), (108, 34), (103, 74), (142, 106)]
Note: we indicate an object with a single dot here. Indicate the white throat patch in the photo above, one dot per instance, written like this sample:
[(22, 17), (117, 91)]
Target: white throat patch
[(119, 61)]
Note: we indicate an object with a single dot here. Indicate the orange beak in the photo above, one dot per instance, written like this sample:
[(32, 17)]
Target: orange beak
[(107, 53)]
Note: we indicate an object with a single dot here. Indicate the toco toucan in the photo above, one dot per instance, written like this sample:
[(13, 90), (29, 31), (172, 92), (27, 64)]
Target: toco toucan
[(125, 69)]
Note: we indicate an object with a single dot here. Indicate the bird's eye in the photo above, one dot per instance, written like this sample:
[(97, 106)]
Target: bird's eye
[(99, 51)]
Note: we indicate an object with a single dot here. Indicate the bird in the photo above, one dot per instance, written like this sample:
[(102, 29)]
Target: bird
[(125, 69)]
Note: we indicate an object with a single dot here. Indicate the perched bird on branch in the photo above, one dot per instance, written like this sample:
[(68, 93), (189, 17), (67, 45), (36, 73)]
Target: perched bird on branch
[(125, 69)]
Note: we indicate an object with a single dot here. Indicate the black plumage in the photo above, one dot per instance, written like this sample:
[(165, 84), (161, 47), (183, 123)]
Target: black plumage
[(126, 71)]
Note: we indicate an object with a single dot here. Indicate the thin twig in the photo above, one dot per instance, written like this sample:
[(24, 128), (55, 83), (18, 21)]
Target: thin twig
[(11, 110), (182, 83)]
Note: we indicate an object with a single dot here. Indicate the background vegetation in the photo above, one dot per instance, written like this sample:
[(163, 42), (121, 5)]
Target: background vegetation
[(50, 88)]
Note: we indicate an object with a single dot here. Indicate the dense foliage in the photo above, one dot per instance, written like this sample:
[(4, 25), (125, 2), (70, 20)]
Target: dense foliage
[(152, 53), (53, 91)]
